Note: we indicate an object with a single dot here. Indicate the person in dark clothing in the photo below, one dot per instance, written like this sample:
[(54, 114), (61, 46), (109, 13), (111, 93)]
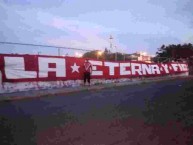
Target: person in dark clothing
[(87, 71)]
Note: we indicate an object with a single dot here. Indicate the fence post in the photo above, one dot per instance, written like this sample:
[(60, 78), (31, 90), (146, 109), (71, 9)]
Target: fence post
[(1, 81)]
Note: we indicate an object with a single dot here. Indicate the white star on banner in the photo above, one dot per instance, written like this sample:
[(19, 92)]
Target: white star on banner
[(75, 68)]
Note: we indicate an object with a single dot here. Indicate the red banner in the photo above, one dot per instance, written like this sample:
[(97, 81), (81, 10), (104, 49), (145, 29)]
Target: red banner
[(26, 68)]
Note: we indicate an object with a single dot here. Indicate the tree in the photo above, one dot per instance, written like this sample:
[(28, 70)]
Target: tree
[(106, 55), (174, 52), (90, 54)]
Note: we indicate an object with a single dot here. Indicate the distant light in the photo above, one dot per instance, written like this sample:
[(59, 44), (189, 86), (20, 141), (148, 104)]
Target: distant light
[(143, 53), (78, 54), (99, 53)]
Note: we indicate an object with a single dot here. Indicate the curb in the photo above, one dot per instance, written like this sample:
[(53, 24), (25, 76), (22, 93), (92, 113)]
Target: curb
[(62, 91)]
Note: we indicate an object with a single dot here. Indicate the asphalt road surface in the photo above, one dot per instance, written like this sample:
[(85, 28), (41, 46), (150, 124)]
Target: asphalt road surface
[(158, 113)]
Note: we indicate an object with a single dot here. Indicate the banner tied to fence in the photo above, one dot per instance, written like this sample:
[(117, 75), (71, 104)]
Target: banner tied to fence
[(26, 68)]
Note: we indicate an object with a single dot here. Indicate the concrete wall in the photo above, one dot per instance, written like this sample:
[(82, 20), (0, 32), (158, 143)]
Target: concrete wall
[(26, 86)]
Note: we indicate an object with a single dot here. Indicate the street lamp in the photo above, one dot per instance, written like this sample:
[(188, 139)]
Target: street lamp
[(144, 53), (99, 53), (78, 54)]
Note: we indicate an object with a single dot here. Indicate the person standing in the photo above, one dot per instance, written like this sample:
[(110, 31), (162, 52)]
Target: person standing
[(87, 71)]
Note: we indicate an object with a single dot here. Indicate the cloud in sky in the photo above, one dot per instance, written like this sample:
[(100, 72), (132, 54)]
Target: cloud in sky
[(137, 25), (81, 34)]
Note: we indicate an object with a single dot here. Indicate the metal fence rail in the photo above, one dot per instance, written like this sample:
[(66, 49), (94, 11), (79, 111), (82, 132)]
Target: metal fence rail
[(39, 46)]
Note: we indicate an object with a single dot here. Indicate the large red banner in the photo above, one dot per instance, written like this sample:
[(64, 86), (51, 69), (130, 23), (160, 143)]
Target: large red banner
[(26, 68)]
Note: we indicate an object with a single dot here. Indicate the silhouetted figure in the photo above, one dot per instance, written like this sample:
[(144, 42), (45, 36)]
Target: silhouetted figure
[(87, 71)]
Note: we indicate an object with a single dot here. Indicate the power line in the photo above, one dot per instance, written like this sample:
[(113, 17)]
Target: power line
[(38, 45)]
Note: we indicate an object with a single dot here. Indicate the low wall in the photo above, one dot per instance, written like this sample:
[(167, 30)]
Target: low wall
[(27, 86)]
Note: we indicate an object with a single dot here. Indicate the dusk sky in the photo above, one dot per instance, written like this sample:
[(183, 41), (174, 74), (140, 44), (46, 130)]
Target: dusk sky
[(136, 25)]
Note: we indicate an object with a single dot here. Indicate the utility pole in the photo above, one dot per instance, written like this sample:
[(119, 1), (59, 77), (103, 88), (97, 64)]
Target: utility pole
[(58, 51), (123, 54), (111, 46), (115, 53), (111, 42)]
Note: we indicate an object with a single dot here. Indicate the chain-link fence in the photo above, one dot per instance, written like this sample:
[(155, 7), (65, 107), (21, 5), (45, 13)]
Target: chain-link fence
[(25, 48)]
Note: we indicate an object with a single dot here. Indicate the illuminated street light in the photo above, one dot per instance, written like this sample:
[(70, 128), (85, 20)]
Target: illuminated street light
[(144, 53), (78, 54), (99, 53)]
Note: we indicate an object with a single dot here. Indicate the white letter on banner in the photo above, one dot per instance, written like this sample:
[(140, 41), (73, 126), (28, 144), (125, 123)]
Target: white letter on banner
[(146, 68), (94, 68), (175, 67), (184, 67), (123, 70), (155, 68), (15, 69), (180, 66), (60, 68), (165, 66), (111, 66), (134, 69)]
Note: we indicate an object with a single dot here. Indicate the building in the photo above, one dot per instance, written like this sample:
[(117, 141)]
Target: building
[(139, 56)]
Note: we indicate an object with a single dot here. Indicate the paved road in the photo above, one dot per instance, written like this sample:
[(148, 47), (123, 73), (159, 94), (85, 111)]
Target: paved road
[(159, 113)]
